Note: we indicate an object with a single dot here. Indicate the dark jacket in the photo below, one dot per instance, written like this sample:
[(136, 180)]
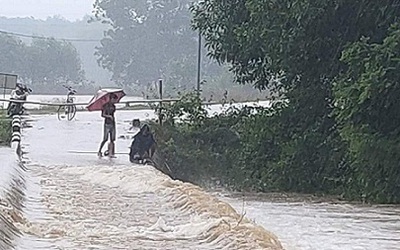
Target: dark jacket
[(141, 143)]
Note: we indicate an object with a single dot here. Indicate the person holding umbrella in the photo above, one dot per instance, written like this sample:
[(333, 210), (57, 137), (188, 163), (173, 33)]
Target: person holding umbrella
[(105, 100), (109, 130)]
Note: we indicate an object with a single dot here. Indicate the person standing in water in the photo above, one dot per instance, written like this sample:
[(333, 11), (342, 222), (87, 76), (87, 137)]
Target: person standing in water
[(109, 130)]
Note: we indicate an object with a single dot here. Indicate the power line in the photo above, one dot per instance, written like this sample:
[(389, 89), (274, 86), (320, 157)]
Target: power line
[(43, 37)]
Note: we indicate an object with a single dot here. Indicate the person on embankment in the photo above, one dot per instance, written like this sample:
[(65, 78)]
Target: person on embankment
[(143, 145)]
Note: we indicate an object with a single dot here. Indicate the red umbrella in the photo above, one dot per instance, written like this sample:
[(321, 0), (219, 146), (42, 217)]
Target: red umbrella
[(102, 97)]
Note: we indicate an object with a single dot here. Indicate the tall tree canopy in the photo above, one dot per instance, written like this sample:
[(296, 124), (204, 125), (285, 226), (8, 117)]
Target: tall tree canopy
[(367, 98), (301, 39), (154, 39), (52, 61), (295, 47), (12, 55), (146, 36)]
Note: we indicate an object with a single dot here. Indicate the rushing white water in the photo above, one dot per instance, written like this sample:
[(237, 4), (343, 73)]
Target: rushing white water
[(304, 222), (78, 201)]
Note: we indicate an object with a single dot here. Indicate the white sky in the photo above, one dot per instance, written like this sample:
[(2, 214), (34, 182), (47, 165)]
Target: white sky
[(41, 9)]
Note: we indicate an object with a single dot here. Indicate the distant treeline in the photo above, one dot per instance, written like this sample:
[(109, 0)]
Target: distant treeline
[(58, 27), (135, 58), (42, 61)]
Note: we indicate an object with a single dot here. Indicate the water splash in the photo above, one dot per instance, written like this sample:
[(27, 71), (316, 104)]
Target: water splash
[(12, 198), (117, 206)]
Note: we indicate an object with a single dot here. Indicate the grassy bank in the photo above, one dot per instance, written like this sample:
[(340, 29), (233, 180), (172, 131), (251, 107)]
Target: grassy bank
[(5, 129), (203, 150), (252, 149)]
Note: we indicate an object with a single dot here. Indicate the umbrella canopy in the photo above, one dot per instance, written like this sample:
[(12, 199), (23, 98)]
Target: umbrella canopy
[(102, 97)]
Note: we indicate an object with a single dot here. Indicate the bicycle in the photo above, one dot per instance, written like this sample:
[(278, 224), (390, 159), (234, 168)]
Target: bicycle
[(67, 111)]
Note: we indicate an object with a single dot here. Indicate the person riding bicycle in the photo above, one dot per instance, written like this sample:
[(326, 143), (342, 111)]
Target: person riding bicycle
[(143, 145)]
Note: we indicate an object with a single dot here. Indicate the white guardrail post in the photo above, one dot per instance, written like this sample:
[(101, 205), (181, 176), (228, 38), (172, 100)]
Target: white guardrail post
[(16, 134)]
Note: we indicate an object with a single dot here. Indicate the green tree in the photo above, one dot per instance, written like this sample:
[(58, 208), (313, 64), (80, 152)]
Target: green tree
[(44, 61), (61, 28), (145, 36), (294, 47), (12, 55), (51, 61), (368, 108)]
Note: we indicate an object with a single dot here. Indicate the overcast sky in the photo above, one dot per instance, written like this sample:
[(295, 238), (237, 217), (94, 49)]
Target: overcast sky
[(41, 9)]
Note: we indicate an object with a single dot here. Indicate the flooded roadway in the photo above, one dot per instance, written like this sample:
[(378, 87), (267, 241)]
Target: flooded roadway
[(308, 223), (77, 201)]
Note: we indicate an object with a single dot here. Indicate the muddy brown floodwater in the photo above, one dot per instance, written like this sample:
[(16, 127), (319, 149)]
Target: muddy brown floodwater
[(304, 222), (77, 201)]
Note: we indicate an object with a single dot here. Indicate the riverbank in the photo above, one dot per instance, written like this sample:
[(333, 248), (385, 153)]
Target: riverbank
[(251, 149)]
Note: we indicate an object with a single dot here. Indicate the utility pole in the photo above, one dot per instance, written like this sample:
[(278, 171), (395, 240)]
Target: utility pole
[(160, 111), (199, 64)]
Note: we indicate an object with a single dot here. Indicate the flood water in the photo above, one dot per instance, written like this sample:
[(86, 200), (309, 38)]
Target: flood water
[(87, 98), (78, 201), (60, 99), (306, 223)]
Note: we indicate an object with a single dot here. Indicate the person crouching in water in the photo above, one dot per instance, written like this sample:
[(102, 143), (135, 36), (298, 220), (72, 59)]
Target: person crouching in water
[(107, 113), (143, 145)]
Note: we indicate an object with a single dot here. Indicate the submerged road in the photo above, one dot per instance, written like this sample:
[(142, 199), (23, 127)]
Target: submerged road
[(78, 201)]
